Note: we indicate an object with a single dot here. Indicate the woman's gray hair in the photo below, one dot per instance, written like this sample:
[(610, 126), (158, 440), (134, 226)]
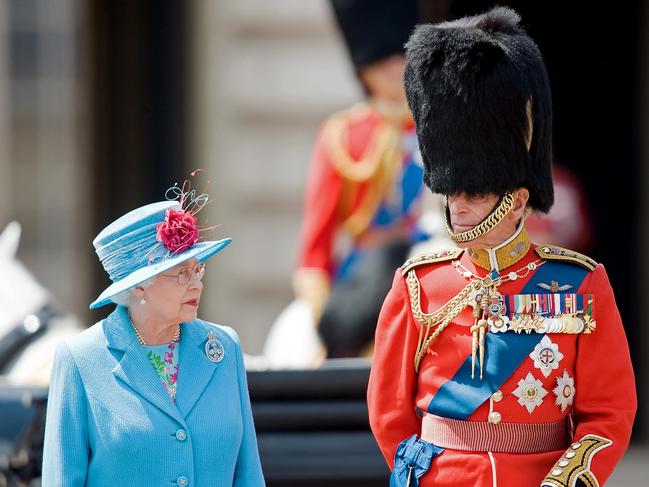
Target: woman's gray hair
[(124, 297)]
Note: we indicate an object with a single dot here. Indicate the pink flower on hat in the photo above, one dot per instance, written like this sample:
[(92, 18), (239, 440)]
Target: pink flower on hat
[(178, 232)]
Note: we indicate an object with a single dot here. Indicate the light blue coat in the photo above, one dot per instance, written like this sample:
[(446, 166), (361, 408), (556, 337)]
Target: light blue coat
[(110, 421)]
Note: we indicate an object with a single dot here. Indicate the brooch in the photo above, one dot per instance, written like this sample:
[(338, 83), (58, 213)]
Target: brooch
[(213, 348)]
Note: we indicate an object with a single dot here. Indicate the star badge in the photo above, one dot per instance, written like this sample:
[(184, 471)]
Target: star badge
[(564, 391), (546, 356), (530, 392)]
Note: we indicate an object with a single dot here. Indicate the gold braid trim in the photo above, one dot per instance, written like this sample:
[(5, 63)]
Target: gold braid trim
[(440, 318), (506, 255), (575, 463), (495, 217), (431, 258), (377, 167), (378, 187), (384, 138)]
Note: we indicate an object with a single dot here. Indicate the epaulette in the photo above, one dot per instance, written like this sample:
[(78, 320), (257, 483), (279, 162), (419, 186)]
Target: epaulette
[(552, 252), (431, 258)]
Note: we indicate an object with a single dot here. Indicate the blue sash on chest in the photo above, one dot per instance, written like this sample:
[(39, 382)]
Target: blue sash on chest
[(460, 396)]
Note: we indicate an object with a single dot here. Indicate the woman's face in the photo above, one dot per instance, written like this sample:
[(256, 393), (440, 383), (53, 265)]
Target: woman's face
[(167, 301)]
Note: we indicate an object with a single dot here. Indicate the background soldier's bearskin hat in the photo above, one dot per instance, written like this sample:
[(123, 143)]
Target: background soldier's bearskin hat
[(480, 95), (375, 29)]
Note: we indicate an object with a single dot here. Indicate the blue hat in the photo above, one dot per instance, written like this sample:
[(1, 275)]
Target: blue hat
[(141, 245)]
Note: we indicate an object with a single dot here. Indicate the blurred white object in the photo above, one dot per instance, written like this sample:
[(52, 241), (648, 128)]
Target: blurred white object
[(293, 342), (432, 222), (28, 322)]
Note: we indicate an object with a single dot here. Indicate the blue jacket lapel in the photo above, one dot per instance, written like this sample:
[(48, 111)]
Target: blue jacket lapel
[(133, 368), (196, 370)]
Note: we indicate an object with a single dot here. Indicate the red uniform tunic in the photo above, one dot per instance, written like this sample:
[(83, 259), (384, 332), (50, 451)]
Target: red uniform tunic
[(589, 377)]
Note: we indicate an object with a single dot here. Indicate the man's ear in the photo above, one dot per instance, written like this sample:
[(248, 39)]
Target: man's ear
[(521, 197)]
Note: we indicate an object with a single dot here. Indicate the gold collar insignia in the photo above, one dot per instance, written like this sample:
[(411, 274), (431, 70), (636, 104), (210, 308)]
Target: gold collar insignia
[(504, 255)]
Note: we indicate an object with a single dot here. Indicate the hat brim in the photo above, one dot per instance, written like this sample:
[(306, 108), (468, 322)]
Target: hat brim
[(201, 251)]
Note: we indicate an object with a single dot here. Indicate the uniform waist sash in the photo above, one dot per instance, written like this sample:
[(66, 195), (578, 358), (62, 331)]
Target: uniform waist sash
[(458, 434)]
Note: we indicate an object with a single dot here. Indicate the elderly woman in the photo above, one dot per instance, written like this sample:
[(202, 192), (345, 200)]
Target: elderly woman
[(152, 395)]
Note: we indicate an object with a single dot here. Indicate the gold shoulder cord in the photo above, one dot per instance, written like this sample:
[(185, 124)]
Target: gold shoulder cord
[(439, 319), (378, 186), (377, 168), (431, 258), (494, 218), (363, 169), (476, 293)]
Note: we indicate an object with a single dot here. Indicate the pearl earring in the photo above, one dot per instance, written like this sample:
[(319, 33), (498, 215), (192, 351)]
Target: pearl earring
[(142, 301)]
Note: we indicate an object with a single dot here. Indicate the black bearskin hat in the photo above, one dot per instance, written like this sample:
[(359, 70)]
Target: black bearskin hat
[(375, 29), (480, 95)]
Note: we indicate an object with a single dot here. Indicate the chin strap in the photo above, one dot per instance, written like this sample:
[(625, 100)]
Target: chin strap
[(494, 218)]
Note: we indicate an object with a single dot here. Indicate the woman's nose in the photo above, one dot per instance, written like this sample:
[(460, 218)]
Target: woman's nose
[(196, 284)]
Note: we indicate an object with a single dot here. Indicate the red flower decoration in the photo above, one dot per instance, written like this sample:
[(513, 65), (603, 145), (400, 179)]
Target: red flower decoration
[(178, 232)]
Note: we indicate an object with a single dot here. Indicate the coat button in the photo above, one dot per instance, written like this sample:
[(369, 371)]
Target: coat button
[(497, 396), (181, 435), (495, 417), (182, 481)]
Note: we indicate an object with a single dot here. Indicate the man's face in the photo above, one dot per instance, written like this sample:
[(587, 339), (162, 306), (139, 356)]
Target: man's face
[(384, 78), (467, 211)]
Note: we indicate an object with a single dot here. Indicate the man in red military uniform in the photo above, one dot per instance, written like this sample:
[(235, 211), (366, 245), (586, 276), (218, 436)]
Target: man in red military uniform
[(365, 181), (502, 362)]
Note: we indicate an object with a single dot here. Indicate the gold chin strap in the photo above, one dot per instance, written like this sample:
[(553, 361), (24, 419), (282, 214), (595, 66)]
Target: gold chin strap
[(494, 218)]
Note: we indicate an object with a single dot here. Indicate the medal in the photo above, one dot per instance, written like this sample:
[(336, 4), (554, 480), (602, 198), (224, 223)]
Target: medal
[(496, 312), (213, 348)]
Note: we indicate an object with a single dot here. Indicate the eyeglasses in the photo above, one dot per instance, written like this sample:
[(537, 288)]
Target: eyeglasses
[(187, 274)]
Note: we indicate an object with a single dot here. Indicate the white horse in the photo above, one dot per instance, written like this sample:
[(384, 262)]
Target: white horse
[(31, 327)]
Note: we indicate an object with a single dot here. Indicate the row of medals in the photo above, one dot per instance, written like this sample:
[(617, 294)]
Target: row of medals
[(495, 312), (490, 312)]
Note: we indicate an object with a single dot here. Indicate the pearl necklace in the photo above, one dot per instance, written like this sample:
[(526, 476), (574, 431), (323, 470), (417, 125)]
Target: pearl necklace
[(174, 339)]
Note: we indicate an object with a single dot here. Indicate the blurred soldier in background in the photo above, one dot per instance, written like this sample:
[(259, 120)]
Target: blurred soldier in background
[(364, 187)]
